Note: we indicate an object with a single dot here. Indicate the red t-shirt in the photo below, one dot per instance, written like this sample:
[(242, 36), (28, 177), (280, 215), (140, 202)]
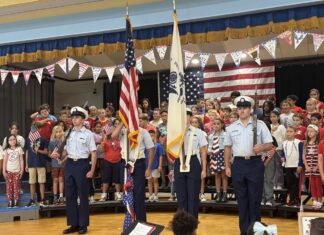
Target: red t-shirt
[(321, 149), (322, 133), (112, 150), (297, 109), (46, 129), (300, 133)]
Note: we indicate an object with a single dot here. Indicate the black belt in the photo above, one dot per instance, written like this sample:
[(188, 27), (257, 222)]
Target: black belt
[(247, 157), (77, 159)]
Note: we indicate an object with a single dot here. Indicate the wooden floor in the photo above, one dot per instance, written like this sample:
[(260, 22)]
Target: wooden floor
[(110, 224)]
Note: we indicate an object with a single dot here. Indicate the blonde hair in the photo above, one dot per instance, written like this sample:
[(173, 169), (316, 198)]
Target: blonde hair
[(101, 110), (313, 100), (93, 108), (214, 111), (54, 130)]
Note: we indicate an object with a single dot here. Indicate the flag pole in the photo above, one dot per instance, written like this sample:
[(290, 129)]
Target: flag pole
[(174, 5)]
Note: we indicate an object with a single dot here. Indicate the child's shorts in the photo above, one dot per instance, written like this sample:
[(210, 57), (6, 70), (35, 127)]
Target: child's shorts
[(39, 172), (111, 172), (57, 172), (155, 174)]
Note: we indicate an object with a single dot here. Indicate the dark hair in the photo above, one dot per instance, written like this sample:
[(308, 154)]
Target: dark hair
[(163, 111), (270, 104), (183, 223), (293, 97), (227, 109), (96, 123), (7, 141), (149, 104), (115, 120), (62, 112), (316, 115), (222, 122), (43, 107), (14, 124), (298, 115), (58, 124), (200, 122), (235, 94), (66, 106), (317, 140), (275, 112)]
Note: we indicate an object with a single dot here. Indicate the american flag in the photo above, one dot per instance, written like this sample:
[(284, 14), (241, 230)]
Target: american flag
[(128, 199), (33, 134), (128, 103), (244, 79), (193, 83)]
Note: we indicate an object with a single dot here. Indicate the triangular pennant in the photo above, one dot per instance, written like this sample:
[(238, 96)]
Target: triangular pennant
[(110, 72), (122, 69), (51, 70), (62, 64), (299, 37), (220, 59), (15, 76), (4, 74), (71, 63), (150, 56), (26, 76), (317, 40), (95, 72), (287, 37), (139, 64), (82, 69), (254, 53), (161, 50), (203, 57), (236, 56), (39, 74), (271, 46), (188, 57)]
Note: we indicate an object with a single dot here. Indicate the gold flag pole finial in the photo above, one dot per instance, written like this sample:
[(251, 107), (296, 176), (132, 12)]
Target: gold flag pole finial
[(126, 7), (174, 5)]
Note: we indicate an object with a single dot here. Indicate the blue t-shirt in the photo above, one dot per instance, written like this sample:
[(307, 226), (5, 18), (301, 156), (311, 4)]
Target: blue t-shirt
[(34, 159), (51, 146), (158, 151)]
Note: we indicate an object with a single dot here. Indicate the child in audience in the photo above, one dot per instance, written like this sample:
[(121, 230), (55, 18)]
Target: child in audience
[(310, 109), (286, 117), (298, 125), (184, 223), (36, 115), (227, 115), (156, 118), (217, 161), (209, 105), (102, 117), (111, 165), (36, 158), (14, 130), (57, 139), (13, 169), (45, 122), (92, 119), (210, 127), (194, 110), (315, 94), (233, 117), (156, 169), (278, 131), (98, 135), (292, 99), (267, 107), (316, 120), (310, 159), (292, 159), (64, 117)]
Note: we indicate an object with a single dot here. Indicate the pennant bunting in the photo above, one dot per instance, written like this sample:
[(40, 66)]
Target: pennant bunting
[(236, 56), (39, 74), (51, 70), (203, 57), (121, 68), (150, 56), (95, 72), (287, 37), (161, 50), (317, 40), (188, 57), (299, 36), (254, 53), (139, 64), (15, 76), (26, 76), (4, 74), (110, 72), (62, 64), (271, 46), (220, 60), (82, 69), (71, 63)]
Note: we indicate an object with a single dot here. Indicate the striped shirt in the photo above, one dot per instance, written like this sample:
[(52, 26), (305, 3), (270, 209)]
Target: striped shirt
[(312, 158)]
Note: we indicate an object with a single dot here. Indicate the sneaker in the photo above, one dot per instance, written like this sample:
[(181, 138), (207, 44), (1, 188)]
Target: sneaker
[(150, 199), (10, 204), (171, 199), (61, 200), (42, 203), (103, 197), (315, 203), (319, 205), (30, 203), (155, 198), (119, 196), (15, 204), (224, 197), (279, 187), (262, 203), (268, 203), (92, 200), (218, 197), (202, 197), (55, 201)]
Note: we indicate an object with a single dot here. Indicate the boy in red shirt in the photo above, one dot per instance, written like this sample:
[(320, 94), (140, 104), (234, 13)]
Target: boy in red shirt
[(292, 100), (298, 125), (44, 122), (317, 121)]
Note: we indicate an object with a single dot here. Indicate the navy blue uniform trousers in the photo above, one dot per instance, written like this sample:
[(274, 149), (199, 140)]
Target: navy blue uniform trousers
[(188, 186), (247, 179), (76, 184), (139, 187)]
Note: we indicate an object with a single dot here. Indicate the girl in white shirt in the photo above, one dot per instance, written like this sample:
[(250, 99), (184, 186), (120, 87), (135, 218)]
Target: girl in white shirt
[(13, 168)]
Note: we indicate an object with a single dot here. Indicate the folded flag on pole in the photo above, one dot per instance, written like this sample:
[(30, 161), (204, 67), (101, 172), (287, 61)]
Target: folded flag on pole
[(177, 97)]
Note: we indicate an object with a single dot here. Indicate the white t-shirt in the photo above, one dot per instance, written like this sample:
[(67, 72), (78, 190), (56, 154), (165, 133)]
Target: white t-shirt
[(1, 153), (280, 134), (13, 163), (20, 141)]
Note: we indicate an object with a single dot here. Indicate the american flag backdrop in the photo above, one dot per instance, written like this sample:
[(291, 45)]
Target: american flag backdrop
[(193, 83)]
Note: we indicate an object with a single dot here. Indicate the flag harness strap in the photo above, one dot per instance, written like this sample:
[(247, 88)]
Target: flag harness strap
[(186, 167)]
